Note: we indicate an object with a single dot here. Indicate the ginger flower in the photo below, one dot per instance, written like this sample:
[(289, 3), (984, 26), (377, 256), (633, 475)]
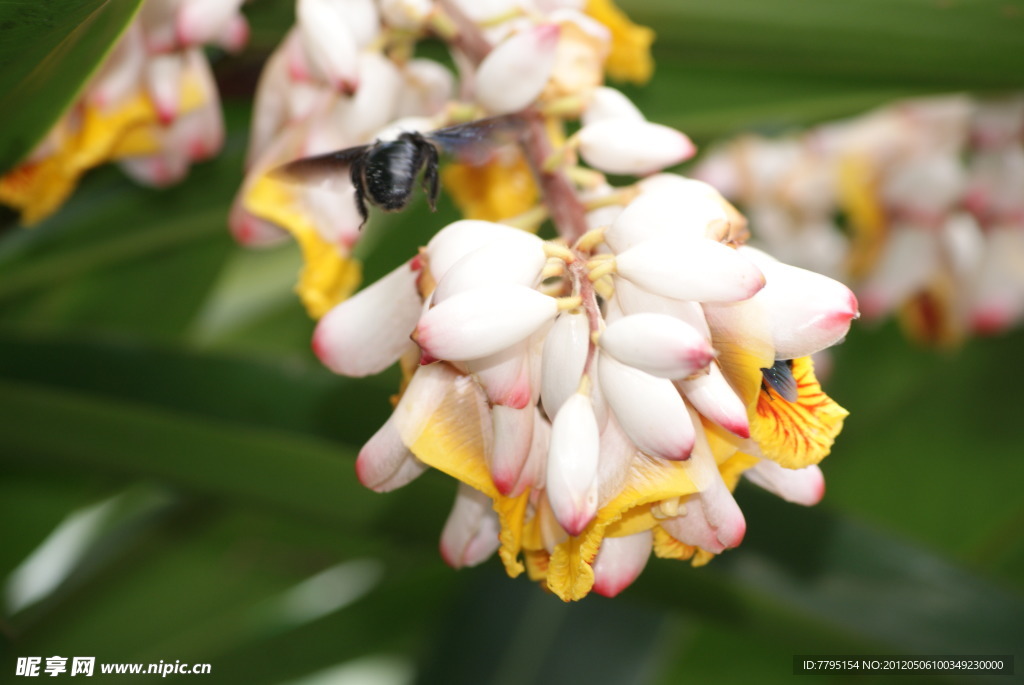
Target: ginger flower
[(931, 193), (598, 395), (152, 106), (597, 400)]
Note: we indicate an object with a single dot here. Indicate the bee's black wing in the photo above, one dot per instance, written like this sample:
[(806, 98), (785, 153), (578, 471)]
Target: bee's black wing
[(319, 168), (474, 142), (780, 378)]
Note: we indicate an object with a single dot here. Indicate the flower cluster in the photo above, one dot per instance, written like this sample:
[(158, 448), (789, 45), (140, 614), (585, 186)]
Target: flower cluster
[(931, 195), (599, 399), (597, 395), (347, 74), (153, 106)]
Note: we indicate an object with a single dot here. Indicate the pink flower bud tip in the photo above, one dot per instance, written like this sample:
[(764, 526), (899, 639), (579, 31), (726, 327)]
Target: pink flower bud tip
[(576, 525), (732, 536), (991, 319)]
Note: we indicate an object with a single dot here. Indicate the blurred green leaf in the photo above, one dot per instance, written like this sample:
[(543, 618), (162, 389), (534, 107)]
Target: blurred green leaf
[(722, 66), (47, 52)]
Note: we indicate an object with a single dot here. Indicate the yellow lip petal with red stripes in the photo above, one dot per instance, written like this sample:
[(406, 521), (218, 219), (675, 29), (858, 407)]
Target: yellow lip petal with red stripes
[(800, 433)]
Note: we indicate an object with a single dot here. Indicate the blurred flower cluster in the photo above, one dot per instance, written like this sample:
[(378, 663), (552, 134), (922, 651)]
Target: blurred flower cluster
[(598, 395), (153, 107), (919, 205)]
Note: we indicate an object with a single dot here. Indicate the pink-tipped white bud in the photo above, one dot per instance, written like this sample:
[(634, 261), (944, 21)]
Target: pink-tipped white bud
[(367, 333), (372, 107), (659, 344), (713, 397), (513, 440), (385, 463), (204, 21), (119, 76), (910, 257), (252, 231), (163, 76), (690, 269), (514, 73), (713, 521), (649, 410), (997, 295), (804, 486), (235, 35), (635, 300), (505, 376), (563, 359), (620, 561), (160, 170), (629, 146), (608, 103), (572, 464), (684, 210), (329, 44), (807, 312), (459, 238), (481, 322), (516, 257), (470, 535)]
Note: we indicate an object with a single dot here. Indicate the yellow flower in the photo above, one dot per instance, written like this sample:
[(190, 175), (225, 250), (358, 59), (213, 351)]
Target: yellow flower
[(630, 57), (329, 274), (801, 433), (498, 190)]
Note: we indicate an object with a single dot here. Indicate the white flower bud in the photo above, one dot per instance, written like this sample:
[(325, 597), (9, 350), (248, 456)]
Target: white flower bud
[(385, 463), (367, 333), (804, 486), (807, 312), (513, 441), (649, 410), (563, 359), (203, 21), (513, 75), (515, 257), (658, 344), (459, 238), (572, 464), (608, 103), (329, 43), (909, 258), (713, 397), (628, 146), (690, 269), (163, 74), (620, 561), (713, 521), (685, 209), (470, 535), (481, 322)]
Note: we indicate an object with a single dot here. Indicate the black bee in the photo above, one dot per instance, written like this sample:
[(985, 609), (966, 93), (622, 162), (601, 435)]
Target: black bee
[(384, 172), (780, 378)]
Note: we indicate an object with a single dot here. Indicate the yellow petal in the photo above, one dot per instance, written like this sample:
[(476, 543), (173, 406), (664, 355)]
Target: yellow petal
[(329, 275), (570, 575), (797, 434), (89, 136), (500, 189), (859, 196), (630, 57), (454, 438)]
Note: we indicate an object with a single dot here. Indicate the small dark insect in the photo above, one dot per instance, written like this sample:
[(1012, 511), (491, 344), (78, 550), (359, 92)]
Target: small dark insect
[(384, 172), (780, 377)]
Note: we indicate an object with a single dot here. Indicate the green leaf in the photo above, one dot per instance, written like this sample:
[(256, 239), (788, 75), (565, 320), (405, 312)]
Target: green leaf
[(47, 52), (724, 66)]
